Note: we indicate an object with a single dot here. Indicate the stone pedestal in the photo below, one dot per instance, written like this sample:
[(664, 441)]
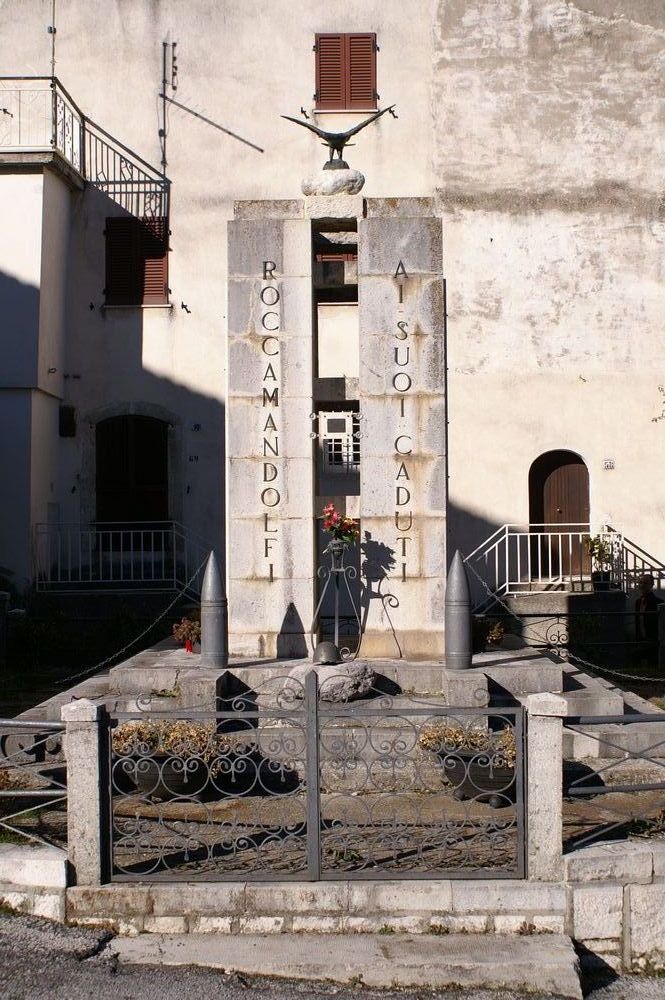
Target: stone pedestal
[(270, 530), (402, 401), (402, 389)]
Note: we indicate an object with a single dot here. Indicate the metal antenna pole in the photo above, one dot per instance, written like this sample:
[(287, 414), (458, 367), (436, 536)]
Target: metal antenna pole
[(52, 31), (162, 131)]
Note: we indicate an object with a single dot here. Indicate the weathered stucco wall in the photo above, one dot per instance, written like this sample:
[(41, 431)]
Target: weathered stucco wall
[(549, 167)]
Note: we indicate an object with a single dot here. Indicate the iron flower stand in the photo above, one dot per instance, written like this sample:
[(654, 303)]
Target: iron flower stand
[(329, 652)]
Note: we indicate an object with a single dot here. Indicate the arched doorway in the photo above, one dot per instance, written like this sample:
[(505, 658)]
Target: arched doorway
[(132, 469), (559, 506)]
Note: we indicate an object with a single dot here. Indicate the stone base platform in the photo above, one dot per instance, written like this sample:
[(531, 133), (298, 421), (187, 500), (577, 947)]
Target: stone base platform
[(503, 674), (400, 961)]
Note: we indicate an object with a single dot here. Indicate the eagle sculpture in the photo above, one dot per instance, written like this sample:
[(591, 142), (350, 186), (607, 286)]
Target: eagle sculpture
[(336, 141)]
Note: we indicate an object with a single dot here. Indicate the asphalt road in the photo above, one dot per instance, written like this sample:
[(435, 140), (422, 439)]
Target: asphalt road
[(40, 960)]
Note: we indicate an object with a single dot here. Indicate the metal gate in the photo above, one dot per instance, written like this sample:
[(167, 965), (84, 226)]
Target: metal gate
[(290, 780)]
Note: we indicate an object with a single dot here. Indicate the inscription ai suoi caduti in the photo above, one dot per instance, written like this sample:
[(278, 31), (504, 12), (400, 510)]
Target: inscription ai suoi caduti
[(271, 485), (402, 384)]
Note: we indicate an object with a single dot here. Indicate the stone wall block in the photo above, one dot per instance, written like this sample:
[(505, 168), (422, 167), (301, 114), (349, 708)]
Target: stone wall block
[(420, 309), (509, 896), (605, 862), (544, 779), (597, 911), (295, 305), (262, 607), (383, 242), (242, 293), (252, 243), (302, 898), (297, 248), (87, 778), (404, 896), (647, 925)]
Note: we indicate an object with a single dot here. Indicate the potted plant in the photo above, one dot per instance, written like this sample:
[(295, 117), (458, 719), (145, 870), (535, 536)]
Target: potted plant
[(477, 762), (601, 551), (169, 759), (187, 631)]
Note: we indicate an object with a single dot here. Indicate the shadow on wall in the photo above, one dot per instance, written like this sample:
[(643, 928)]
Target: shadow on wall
[(19, 326), (376, 564), (466, 531), (107, 374), (291, 642), (117, 379)]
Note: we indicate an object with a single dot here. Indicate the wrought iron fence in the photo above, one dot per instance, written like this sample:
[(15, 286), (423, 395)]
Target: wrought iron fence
[(33, 782), (37, 113), (619, 638), (160, 555), (614, 777), (286, 782)]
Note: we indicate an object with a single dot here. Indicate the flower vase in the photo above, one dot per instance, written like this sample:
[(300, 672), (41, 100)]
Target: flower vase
[(337, 547)]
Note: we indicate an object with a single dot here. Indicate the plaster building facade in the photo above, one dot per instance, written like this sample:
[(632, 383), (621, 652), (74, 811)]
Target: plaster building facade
[(192, 348)]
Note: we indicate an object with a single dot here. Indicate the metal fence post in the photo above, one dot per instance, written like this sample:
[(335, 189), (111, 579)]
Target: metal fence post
[(661, 636), (4, 607), (87, 791), (544, 762), (313, 787)]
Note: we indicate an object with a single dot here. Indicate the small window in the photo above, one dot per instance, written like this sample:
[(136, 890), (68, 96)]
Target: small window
[(136, 261), (340, 444), (346, 72)]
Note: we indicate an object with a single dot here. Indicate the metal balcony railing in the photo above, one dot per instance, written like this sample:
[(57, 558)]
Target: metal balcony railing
[(541, 557), (37, 114), (138, 555)]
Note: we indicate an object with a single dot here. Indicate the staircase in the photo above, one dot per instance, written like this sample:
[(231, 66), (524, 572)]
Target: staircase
[(540, 559)]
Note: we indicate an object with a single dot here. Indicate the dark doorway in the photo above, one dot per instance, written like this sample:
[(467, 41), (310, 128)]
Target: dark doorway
[(132, 469), (558, 506)]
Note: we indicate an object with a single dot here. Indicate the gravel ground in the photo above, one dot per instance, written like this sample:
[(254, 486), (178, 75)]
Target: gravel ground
[(40, 960)]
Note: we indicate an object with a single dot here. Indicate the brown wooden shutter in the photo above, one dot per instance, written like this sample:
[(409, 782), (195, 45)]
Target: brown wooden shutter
[(361, 61), (136, 261), (346, 72), (154, 260), (331, 71), (123, 283)]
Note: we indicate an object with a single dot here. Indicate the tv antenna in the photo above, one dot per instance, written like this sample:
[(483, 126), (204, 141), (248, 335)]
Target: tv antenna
[(169, 88)]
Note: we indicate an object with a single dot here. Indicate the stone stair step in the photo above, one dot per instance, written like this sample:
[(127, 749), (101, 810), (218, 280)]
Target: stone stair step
[(374, 960)]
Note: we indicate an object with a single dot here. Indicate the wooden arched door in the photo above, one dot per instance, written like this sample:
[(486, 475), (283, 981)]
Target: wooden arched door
[(558, 505)]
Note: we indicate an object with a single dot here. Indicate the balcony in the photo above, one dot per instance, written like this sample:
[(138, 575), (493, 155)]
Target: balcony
[(38, 116)]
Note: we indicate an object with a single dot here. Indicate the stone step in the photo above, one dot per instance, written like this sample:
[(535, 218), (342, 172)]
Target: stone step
[(373, 960)]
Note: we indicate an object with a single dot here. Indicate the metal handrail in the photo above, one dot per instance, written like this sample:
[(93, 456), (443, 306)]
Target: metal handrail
[(131, 555), (64, 127)]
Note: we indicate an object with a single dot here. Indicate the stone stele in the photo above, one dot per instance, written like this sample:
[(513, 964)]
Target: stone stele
[(345, 181), (338, 682)]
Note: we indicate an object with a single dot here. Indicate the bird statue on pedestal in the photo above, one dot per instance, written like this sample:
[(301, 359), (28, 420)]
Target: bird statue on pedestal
[(336, 141)]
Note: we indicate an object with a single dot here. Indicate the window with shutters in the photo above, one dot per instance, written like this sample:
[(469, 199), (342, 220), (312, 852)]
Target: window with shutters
[(136, 261), (346, 72)]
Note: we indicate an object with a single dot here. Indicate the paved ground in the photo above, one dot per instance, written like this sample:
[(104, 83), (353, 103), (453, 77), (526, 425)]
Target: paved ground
[(44, 961)]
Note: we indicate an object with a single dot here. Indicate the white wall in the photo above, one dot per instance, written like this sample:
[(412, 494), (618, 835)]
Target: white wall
[(338, 341)]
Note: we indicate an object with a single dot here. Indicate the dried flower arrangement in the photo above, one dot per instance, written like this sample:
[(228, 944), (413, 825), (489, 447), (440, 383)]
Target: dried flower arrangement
[(10, 782), (495, 633), (182, 738), (187, 630), (344, 529), (445, 737)]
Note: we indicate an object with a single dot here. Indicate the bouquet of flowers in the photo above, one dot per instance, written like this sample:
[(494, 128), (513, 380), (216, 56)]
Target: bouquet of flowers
[(343, 529)]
